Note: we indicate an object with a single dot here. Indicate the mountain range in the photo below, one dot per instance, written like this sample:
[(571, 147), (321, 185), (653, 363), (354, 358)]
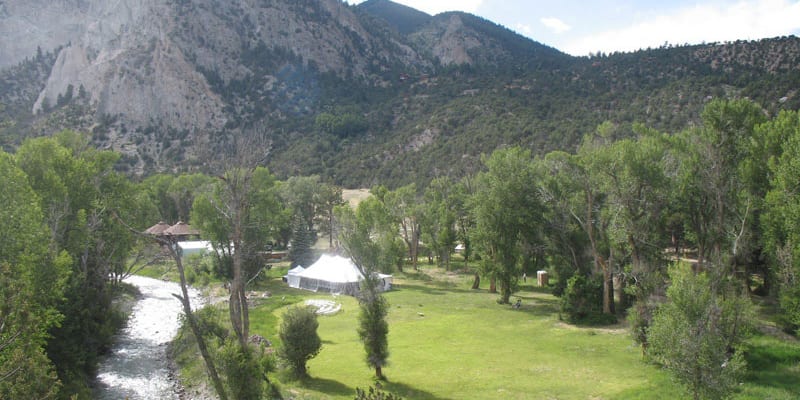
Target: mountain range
[(361, 95)]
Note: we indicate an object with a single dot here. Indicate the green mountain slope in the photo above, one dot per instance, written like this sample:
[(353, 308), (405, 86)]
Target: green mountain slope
[(367, 94)]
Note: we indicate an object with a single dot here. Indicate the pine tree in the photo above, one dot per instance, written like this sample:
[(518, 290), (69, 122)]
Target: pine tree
[(302, 241)]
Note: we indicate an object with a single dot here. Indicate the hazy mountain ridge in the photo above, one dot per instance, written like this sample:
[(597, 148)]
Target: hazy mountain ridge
[(405, 95)]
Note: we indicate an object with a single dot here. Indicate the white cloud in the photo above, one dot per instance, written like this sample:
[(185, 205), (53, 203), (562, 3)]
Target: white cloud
[(523, 29), (554, 24), (746, 19)]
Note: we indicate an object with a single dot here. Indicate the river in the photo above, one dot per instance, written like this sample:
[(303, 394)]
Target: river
[(137, 367)]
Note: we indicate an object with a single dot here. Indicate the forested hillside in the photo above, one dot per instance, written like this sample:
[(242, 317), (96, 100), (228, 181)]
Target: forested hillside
[(374, 93)]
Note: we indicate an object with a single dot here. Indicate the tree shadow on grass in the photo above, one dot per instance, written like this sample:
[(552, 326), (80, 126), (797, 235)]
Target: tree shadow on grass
[(449, 280), (327, 386), (408, 392), (538, 307), (335, 388), (422, 288), (535, 289)]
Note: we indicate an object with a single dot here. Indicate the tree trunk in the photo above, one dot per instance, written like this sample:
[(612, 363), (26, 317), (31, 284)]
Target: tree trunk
[(619, 289), (505, 291), (198, 334), (330, 230), (477, 282), (238, 297), (379, 373), (493, 285), (608, 287)]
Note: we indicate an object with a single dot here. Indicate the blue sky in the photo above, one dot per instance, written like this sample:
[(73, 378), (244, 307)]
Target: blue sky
[(583, 27)]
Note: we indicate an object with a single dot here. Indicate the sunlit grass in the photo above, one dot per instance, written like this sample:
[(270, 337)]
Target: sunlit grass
[(450, 342)]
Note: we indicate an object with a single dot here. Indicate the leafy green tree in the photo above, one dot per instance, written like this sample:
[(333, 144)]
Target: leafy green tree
[(464, 222), (718, 183), (403, 205), (592, 210), (330, 197), (182, 191), (173, 196), (236, 217), (508, 213), (364, 236), (79, 192), (633, 176), (300, 341), (582, 300), (439, 213), (32, 282), (697, 334), (782, 217), (305, 196), (563, 237), (157, 189)]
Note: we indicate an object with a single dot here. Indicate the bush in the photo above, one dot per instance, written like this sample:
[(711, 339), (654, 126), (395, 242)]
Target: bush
[(244, 370), (698, 334), (582, 301), (300, 341)]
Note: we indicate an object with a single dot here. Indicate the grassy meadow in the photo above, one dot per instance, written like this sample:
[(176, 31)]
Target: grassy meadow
[(447, 341)]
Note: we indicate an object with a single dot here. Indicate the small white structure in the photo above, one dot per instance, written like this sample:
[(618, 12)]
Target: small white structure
[(386, 282), (542, 278), (337, 275), (192, 247), (293, 276)]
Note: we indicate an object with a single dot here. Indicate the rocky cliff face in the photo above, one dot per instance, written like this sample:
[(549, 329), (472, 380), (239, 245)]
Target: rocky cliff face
[(148, 62), (171, 83), (120, 52)]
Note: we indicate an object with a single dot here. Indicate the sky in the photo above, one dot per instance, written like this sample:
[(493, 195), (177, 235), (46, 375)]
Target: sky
[(587, 27)]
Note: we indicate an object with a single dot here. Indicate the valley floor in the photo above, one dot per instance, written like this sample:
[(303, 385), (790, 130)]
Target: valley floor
[(447, 341)]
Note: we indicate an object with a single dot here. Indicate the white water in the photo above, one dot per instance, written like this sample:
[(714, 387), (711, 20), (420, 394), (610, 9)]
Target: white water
[(137, 367)]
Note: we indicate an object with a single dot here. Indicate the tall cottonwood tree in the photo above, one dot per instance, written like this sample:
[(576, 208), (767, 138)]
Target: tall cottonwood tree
[(330, 196), (593, 216), (508, 212), (439, 213), (716, 187), (78, 191), (32, 283), (402, 203), (577, 218), (236, 215), (563, 236), (782, 219), (634, 176)]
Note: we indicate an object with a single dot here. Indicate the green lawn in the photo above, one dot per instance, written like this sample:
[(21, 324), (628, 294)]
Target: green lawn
[(450, 342)]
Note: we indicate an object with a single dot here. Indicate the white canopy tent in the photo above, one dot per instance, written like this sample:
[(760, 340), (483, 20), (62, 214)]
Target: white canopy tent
[(293, 276), (335, 274)]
